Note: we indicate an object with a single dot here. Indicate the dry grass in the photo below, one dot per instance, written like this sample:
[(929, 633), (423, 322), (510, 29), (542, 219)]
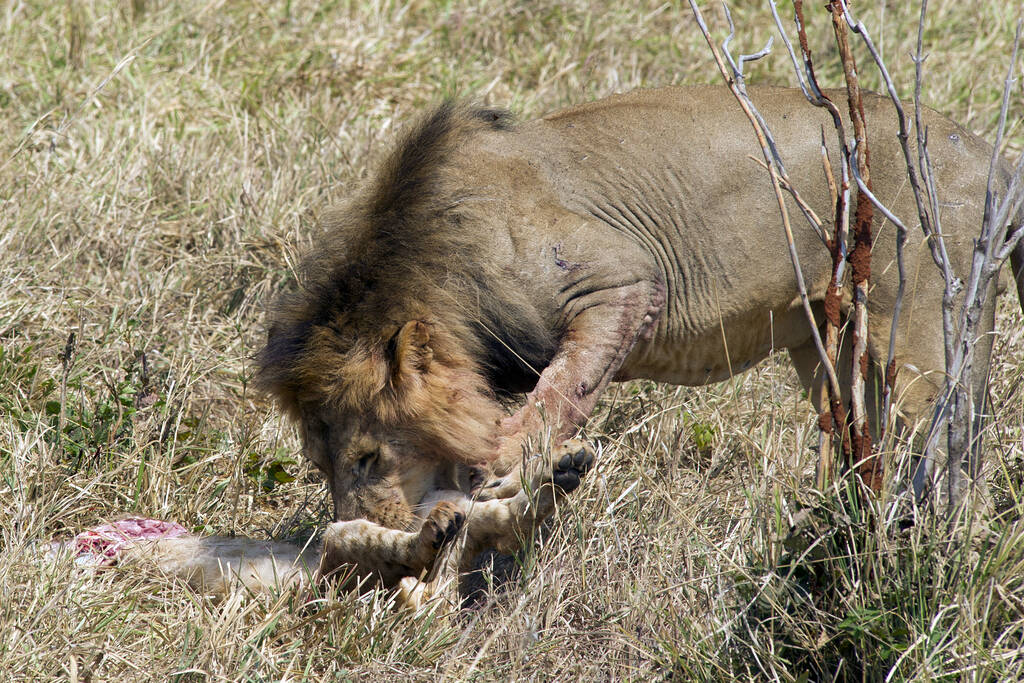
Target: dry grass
[(161, 165)]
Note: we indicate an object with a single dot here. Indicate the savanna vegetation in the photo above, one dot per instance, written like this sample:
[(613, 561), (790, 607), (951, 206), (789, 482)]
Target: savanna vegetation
[(162, 166)]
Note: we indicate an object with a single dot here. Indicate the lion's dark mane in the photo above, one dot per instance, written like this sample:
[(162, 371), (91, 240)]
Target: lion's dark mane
[(408, 248)]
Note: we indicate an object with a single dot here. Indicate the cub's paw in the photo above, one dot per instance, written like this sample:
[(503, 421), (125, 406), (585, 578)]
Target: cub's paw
[(572, 459), (442, 524)]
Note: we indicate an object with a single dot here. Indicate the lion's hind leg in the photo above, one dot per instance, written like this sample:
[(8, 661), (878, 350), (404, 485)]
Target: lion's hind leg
[(920, 371)]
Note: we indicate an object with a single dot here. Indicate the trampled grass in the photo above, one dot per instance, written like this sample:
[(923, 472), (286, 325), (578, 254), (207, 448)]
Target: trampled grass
[(162, 165)]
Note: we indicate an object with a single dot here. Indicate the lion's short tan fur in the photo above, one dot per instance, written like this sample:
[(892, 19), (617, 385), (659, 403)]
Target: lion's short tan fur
[(635, 236)]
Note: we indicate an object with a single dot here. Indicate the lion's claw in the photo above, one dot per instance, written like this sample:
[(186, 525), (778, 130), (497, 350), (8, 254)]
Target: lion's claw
[(571, 467)]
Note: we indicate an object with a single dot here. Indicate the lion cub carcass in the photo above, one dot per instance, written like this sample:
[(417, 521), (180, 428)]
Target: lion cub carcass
[(450, 531), (631, 237)]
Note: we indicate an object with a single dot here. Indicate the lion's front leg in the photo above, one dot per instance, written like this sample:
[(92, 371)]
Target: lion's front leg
[(591, 353), (384, 556), (502, 524)]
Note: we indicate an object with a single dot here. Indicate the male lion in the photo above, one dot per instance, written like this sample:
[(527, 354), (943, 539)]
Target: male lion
[(629, 237)]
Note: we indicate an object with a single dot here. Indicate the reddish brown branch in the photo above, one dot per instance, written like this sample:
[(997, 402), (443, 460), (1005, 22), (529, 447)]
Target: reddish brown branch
[(866, 464), (834, 422)]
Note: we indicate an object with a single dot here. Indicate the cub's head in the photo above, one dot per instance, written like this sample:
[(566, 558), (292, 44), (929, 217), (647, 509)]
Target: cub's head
[(386, 414)]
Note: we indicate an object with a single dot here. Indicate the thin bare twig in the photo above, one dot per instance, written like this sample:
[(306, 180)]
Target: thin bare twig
[(937, 246), (886, 211)]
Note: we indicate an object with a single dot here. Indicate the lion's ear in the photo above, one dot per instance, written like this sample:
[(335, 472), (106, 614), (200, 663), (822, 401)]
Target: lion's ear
[(412, 352)]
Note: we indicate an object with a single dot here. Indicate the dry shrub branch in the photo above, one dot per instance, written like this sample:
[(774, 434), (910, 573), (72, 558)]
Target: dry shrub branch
[(956, 414)]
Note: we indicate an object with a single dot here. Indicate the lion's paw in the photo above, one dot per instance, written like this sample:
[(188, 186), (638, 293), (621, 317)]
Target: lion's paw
[(572, 459), (442, 524)]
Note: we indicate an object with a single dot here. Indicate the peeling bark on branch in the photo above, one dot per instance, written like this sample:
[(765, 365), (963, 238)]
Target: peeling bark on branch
[(840, 417), (866, 464)]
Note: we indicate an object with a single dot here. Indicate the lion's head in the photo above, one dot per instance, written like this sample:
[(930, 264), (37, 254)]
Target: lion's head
[(380, 355), (383, 415)]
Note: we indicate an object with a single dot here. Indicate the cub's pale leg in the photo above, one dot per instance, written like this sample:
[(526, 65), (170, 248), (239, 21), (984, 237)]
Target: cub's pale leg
[(382, 555), (502, 525), (214, 564), (375, 554)]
